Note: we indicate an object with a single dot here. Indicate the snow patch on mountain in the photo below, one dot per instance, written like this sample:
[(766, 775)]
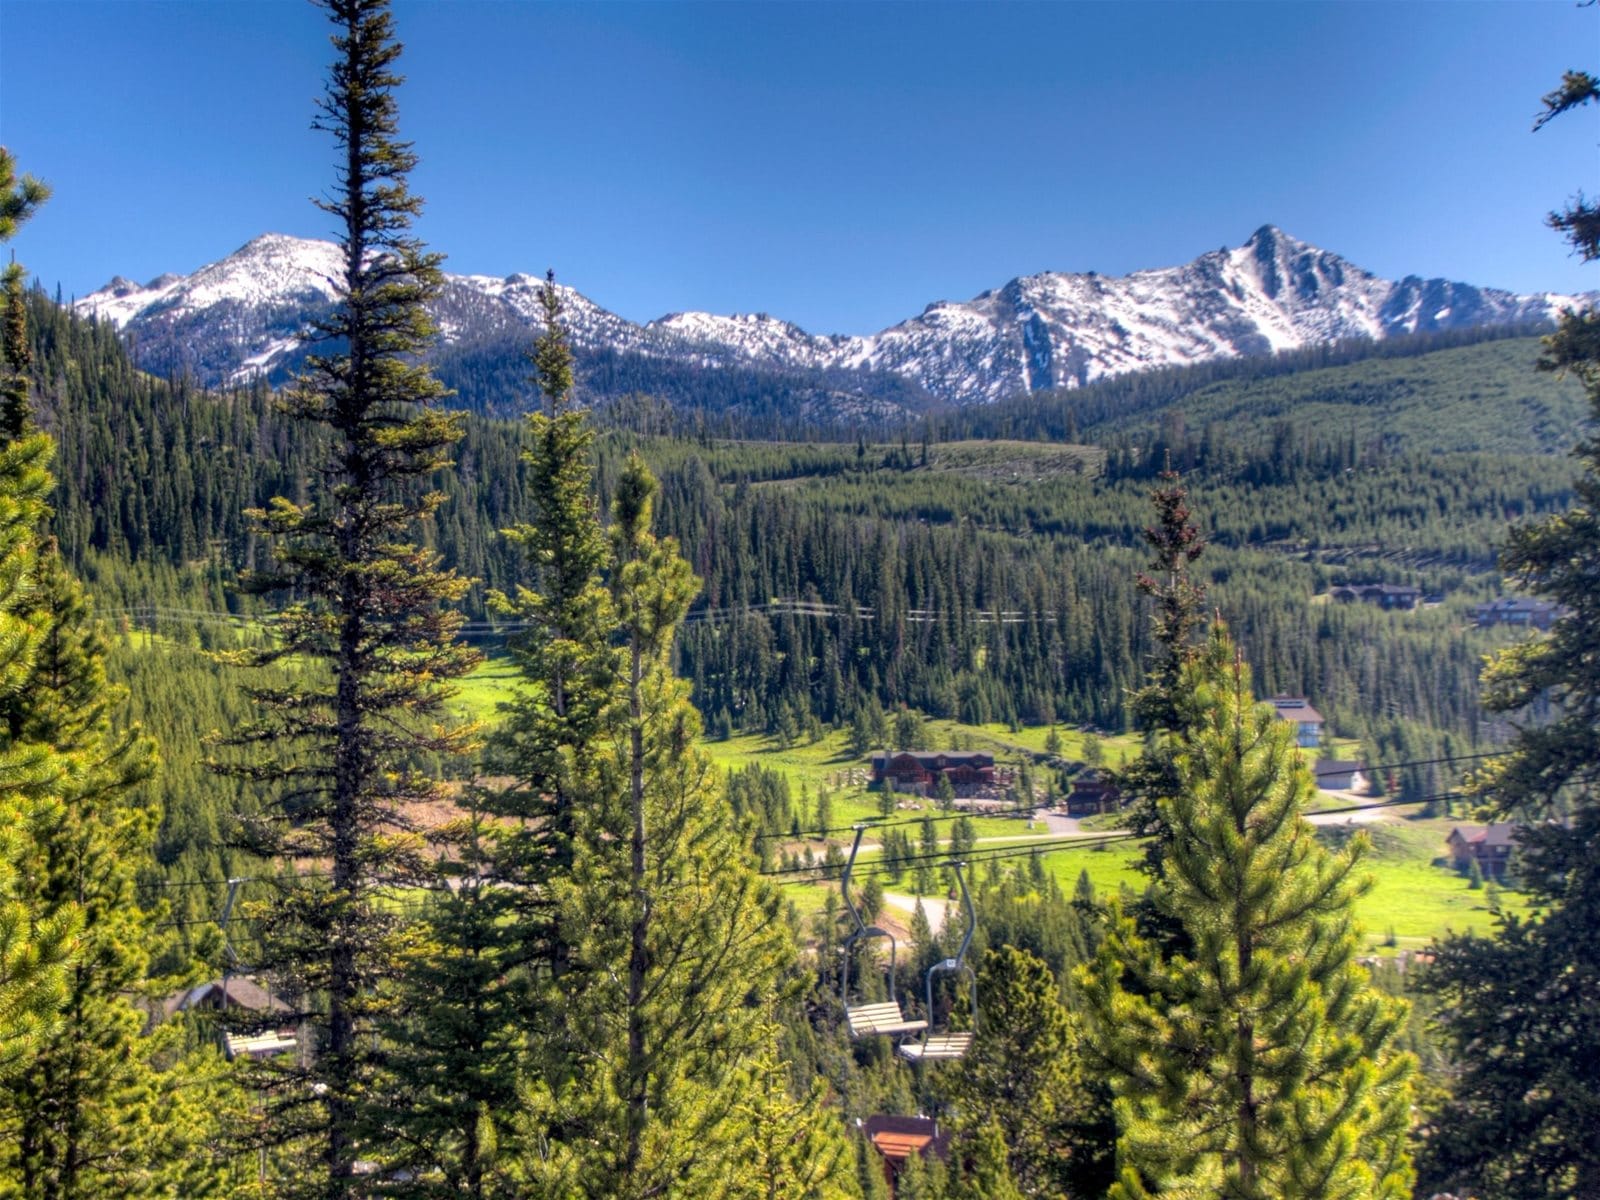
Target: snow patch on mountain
[(246, 313), (265, 272)]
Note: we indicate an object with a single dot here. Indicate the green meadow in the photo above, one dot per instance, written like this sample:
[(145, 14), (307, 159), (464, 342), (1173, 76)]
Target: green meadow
[(1414, 896)]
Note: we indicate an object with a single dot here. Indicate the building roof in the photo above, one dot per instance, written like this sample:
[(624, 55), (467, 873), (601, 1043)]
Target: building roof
[(898, 1138), (1509, 607), (1093, 777), (929, 758), (1331, 774), (242, 993), (1382, 589), (1516, 604), (1336, 766), (1501, 833), (1295, 708)]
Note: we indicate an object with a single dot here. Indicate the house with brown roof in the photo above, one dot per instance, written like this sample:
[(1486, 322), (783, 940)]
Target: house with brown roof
[(1092, 792), (1519, 613), (896, 1139), (919, 771), (1384, 595), (1306, 720), (1489, 846), (1335, 775), (276, 1033), (214, 995)]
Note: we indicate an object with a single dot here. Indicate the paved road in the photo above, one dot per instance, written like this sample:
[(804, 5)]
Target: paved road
[(1350, 818), (904, 906)]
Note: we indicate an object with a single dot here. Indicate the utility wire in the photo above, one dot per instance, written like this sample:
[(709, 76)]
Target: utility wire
[(1043, 844), (876, 868), (830, 872), (1021, 809)]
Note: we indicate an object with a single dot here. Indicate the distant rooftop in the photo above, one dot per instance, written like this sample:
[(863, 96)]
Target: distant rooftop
[(1295, 708), (1501, 833)]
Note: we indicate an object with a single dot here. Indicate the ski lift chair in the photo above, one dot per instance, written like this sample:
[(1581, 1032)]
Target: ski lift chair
[(948, 1044), (268, 1043), (883, 1018)]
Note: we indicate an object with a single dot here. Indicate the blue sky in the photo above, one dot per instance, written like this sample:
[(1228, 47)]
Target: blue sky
[(840, 165)]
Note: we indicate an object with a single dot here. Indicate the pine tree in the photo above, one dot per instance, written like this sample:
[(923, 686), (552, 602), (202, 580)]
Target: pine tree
[(1258, 1064), (88, 1114), (1161, 705), (369, 626), (551, 735), (1178, 596), (922, 1179), (479, 984), (1025, 1075), (445, 1096), (15, 411), (789, 1148), (38, 940), (983, 1171), (1521, 1006), (676, 945)]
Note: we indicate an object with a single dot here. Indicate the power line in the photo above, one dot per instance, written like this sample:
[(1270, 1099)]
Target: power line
[(1023, 809), (876, 868), (1040, 845), (152, 615), (275, 880), (827, 872), (830, 872), (881, 823)]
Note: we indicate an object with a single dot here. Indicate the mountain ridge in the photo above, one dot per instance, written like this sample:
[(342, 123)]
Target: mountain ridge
[(242, 315)]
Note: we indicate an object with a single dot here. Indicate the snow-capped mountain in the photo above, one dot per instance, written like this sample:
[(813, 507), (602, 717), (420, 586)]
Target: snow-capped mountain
[(242, 316)]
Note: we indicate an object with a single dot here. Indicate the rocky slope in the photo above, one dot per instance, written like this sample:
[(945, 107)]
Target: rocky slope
[(243, 315)]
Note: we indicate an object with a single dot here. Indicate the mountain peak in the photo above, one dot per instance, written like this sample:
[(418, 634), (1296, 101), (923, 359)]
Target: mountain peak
[(244, 314), (273, 242)]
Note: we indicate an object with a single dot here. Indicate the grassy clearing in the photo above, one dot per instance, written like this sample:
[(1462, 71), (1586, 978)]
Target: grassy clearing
[(1016, 462), (1412, 900), (479, 695)]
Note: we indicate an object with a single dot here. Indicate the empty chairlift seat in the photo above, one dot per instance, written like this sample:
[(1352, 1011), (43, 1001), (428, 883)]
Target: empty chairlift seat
[(943, 1045), (261, 1045), (938, 1046), (881, 1018), (884, 1018)]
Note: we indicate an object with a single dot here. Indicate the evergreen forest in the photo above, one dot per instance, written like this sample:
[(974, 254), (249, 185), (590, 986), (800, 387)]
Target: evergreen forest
[(285, 911)]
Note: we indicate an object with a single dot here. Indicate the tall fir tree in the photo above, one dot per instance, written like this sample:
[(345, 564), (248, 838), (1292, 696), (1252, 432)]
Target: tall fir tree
[(1178, 597), (1258, 1064), (676, 946), (343, 752), (445, 1097), (549, 740), (480, 983), (1520, 1008), (1161, 705), (89, 1114), (38, 940)]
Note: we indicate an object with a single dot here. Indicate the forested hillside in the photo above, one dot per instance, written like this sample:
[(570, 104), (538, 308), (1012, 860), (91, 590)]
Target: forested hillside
[(979, 579)]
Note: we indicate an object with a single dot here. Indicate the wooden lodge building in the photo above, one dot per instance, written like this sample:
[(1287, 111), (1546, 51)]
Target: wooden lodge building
[(1384, 595), (919, 771), (1490, 846), (1518, 613), (1092, 793)]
